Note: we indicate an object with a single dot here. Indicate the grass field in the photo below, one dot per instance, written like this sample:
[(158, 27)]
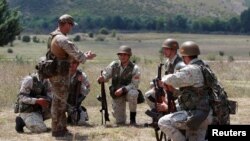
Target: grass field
[(233, 75)]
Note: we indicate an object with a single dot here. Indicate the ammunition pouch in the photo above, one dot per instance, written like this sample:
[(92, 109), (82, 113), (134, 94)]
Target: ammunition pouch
[(16, 107), (28, 108), (188, 100), (63, 67), (47, 68), (140, 98)]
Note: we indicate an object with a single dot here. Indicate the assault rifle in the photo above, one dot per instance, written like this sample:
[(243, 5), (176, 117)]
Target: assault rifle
[(103, 100), (74, 102), (154, 113)]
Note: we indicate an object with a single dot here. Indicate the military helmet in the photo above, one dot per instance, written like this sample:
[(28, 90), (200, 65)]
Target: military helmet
[(66, 18), (170, 43), (125, 50), (189, 48)]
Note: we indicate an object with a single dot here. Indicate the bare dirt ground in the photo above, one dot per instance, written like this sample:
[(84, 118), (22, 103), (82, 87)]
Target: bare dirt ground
[(95, 131)]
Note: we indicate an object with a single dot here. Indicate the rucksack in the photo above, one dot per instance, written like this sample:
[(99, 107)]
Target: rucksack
[(222, 107)]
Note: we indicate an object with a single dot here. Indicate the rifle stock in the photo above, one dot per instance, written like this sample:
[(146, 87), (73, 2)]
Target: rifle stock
[(103, 99)]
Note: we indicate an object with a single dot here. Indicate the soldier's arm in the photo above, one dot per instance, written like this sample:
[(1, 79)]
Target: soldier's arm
[(25, 89)]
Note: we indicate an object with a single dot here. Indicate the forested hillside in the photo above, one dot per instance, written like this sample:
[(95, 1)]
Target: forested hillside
[(42, 14)]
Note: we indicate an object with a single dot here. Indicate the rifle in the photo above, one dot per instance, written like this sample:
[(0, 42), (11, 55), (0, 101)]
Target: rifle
[(103, 100), (74, 103), (155, 114)]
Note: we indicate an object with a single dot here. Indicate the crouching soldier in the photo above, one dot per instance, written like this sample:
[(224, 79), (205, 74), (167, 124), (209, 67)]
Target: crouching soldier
[(79, 89), (34, 100)]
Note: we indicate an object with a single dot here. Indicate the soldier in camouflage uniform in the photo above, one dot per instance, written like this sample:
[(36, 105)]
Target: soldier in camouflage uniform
[(125, 77), (79, 89), (34, 101), (173, 62), (193, 111), (64, 52)]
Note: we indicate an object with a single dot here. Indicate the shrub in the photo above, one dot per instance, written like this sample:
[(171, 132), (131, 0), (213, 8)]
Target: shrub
[(135, 59), (26, 38), (35, 39), (100, 38), (91, 34), (211, 57), (221, 53), (77, 38), (104, 31), (230, 59), (113, 34), (9, 50)]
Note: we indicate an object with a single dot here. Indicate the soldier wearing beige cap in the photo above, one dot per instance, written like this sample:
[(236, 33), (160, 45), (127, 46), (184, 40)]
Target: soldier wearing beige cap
[(64, 51)]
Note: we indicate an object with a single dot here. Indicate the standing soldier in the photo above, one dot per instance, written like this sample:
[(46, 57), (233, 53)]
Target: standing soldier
[(173, 63), (63, 51), (79, 89), (125, 77), (194, 113), (34, 101)]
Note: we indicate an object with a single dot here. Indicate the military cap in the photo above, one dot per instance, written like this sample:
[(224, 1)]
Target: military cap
[(66, 18)]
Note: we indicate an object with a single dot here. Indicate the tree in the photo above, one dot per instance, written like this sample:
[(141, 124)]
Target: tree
[(245, 20), (9, 24)]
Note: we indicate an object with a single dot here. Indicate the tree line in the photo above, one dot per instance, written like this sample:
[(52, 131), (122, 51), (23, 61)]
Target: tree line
[(11, 24)]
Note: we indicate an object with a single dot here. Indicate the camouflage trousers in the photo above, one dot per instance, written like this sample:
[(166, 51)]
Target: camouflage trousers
[(171, 125), (60, 92), (119, 105), (34, 122)]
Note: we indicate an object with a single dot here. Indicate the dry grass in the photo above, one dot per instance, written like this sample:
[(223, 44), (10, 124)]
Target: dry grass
[(234, 76), (95, 131)]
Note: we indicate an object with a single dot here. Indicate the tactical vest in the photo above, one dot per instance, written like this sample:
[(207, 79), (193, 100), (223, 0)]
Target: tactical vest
[(170, 67), (193, 98), (57, 51), (38, 90), (123, 79)]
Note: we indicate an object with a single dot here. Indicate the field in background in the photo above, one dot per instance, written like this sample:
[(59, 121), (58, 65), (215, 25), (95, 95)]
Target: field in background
[(233, 75)]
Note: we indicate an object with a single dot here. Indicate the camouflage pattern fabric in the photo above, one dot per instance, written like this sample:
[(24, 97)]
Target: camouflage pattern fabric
[(171, 124), (119, 104), (34, 122), (60, 86), (171, 66)]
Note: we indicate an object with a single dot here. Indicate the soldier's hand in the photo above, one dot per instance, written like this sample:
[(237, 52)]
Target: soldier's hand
[(118, 92), (162, 107), (90, 55), (42, 102), (100, 79)]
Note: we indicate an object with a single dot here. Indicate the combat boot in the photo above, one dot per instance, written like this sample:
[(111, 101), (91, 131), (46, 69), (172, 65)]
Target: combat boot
[(19, 124), (132, 118)]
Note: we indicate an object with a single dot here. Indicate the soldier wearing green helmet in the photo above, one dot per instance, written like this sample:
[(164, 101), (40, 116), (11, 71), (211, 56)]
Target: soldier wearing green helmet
[(193, 113), (172, 63), (125, 77)]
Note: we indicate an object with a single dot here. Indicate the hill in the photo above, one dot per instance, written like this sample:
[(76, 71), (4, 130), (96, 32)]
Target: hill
[(43, 14)]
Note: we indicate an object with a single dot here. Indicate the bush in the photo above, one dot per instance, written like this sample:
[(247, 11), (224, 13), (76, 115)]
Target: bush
[(135, 59), (211, 57), (113, 34), (230, 59), (9, 50), (221, 53), (91, 34), (100, 38), (104, 31), (35, 39), (77, 38), (26, 38)]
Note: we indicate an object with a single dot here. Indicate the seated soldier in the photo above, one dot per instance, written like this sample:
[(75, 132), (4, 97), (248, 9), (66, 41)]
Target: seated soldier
[(79, 89), (34, 104)]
